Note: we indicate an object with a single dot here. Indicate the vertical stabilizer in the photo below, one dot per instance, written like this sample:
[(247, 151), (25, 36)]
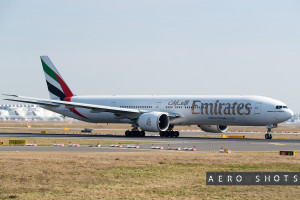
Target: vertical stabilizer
[(57, 87)]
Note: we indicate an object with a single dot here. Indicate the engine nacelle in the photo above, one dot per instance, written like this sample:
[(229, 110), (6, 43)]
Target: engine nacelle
[(154, 121), (213, 128)]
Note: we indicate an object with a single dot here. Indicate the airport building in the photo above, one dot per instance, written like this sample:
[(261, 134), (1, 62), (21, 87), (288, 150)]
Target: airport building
[(294, 119), (27, 113)]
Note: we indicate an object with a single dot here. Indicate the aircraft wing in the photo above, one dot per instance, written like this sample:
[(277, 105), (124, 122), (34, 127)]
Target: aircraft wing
[(55, 103), (94, 108)]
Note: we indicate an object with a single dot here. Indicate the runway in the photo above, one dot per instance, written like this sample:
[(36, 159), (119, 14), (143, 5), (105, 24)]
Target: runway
[(202, 144)]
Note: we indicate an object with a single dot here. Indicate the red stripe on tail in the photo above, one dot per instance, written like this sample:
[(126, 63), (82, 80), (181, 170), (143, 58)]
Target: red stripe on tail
[(64, 87)]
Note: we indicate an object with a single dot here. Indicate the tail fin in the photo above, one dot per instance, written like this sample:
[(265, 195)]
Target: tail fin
[(57, 87)]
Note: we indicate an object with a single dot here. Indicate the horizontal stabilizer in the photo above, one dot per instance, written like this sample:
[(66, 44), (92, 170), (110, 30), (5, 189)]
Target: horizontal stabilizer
[(10, 95), (33, 102)]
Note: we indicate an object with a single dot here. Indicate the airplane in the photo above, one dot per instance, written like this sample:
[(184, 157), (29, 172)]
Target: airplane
[(159, 113)]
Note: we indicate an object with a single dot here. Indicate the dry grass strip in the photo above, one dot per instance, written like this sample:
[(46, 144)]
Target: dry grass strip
[(137, 175)]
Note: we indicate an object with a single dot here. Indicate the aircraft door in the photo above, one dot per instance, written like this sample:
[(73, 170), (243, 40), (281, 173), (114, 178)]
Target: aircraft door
[(257, 108), (157, 105)]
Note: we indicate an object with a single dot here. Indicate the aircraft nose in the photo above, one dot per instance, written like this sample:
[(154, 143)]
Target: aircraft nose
[(289, 114)]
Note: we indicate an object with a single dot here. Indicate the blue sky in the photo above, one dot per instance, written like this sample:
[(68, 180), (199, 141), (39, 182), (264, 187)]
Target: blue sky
[(153, 47)]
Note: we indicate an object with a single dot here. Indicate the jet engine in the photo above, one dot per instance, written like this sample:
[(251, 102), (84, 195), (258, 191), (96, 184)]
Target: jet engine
[(213, 128), (154, 121)]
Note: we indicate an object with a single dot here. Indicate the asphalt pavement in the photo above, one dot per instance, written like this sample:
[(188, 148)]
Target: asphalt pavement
[(212, 143)]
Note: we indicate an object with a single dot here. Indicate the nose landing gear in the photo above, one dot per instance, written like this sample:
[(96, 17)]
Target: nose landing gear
[(268, 135)]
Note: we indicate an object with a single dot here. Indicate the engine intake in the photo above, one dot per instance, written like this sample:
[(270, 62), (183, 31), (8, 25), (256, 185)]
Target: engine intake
[(154, 122), (213, 128)]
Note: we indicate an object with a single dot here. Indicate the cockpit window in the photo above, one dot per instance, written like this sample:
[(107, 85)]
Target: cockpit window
[(280, 107)]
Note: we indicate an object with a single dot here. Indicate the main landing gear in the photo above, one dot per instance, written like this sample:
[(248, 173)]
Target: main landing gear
[(169, 133), (135, 132)]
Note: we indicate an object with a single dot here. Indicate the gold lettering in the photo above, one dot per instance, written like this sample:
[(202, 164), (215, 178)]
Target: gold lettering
[(233, 108), (205, 105), (193, 107), (220, 108), (216, 107), (239, 108), (248, 108), (227, 109), (211, 108)]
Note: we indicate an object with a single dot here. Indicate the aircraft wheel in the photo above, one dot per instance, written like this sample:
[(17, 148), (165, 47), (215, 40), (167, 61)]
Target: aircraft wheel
[(172, 134), (176, 134), (162, 134), (142, 133), (268, 136), (136, 133), (127, 133), (167, 134)]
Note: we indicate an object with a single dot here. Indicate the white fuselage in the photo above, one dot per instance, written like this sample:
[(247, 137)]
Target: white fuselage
[(192, 110)]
